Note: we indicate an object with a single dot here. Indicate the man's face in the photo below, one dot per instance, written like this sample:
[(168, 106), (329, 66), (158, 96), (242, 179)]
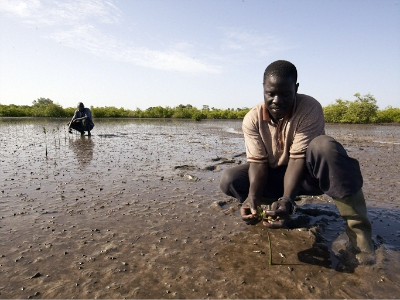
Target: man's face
[(279, 95), (81, 107)]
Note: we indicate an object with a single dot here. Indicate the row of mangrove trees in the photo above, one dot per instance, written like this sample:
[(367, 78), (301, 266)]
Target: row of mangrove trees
[(362, 110)]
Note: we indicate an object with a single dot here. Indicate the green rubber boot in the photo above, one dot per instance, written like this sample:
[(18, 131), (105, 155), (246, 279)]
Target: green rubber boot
[(354, 210)]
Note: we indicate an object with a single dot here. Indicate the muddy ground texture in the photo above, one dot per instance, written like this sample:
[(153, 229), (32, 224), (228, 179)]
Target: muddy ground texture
[(135, 211)]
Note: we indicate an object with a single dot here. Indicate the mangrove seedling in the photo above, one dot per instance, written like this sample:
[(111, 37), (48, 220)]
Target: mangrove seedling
[(45, 139), (261, 212)]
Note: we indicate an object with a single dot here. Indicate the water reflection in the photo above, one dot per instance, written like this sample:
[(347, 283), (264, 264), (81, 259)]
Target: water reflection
[(83, 149)]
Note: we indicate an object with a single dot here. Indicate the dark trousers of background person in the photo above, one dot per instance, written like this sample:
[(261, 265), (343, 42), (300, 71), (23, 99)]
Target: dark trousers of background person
[(82, 125)]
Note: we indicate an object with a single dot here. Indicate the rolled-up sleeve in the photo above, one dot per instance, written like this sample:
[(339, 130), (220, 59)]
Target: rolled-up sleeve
[(255, 148), (88, 113), (311, 126), (75, 116)]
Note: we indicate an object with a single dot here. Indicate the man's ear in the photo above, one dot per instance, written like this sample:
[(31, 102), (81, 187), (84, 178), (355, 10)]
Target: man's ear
[(297, 86)]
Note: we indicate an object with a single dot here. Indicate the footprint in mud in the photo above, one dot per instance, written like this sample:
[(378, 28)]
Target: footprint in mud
[(226, 206), (189, 177), (186, 176), (186, 167), (212, 168), (223, 160)]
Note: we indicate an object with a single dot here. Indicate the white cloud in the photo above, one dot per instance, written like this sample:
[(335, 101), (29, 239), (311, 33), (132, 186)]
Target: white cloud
[(89, 39), (80, 24), (71, 12), (170, 60), (75, 24), (58, 12), (251, 44), (20, 8)]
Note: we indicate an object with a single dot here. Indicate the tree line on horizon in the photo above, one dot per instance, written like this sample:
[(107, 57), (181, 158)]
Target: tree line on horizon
[(363, 110)]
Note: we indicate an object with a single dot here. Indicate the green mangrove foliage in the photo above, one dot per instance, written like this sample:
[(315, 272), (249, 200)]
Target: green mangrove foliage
[(44, 107), (181, 111), (362, 110), (388, 115)]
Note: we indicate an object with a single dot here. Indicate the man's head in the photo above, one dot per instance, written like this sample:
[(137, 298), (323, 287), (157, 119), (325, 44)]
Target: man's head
[(81, 106), (280, 88)]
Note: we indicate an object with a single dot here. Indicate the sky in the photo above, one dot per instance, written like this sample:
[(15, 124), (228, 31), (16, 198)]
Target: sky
[(140, 54)]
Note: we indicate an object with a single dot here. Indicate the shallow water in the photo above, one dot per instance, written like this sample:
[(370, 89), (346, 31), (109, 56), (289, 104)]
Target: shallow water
[(135, 211)]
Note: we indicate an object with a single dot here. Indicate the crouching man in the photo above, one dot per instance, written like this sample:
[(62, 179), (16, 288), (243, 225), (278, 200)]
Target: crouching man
[(288, 154), (82, 120)]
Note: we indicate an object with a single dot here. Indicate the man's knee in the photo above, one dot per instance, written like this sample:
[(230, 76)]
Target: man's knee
[(225, 181), (324, 145), (75, 126), (234, 182)]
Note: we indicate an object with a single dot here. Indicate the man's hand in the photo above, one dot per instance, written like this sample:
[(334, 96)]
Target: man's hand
[(249, 211), (280, 212), (258, 175)]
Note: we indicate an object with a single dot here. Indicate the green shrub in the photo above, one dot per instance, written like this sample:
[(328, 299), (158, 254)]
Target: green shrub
[(389, 115), (14, 110), (361, 111), (334, 112), (198, 116)]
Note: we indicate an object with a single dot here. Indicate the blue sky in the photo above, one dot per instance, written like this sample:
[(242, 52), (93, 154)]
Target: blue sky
[(137, 54)]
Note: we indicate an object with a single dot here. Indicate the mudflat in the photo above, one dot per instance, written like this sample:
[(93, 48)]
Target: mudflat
[(135, 211)]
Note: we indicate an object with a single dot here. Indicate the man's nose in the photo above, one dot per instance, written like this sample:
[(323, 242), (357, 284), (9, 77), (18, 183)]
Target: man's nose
[(277, 99)]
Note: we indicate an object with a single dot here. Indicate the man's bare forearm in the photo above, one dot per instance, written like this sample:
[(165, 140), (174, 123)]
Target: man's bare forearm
[(258, 175), (74, 120), (293, 177), (78, 119)]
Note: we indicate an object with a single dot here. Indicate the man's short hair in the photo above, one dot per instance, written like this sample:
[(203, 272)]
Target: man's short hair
[(80, 104), (281, 68)]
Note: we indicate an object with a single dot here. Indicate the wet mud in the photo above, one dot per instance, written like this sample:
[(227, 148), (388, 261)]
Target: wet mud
[(135, 211)]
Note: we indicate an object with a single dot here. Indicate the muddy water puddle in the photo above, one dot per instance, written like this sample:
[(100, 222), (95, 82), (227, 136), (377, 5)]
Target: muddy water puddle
[(135, 211)]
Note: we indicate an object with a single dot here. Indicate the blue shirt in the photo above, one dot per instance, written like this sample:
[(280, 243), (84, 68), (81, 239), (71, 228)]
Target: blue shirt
[(80, 114)]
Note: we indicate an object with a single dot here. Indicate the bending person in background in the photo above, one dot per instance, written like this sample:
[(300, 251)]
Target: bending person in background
[(82, 120)]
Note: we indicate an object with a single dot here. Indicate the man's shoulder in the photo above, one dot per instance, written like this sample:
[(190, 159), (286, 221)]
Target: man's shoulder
[(255, 110), (306, 103), (303, 99), (253, 116)]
